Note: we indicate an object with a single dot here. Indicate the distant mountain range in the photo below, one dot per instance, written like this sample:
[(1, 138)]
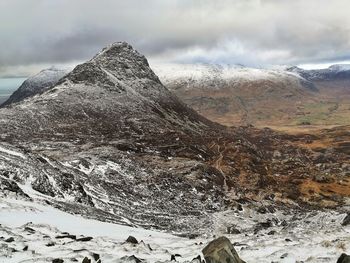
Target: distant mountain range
[(334, 72), (236, 95)]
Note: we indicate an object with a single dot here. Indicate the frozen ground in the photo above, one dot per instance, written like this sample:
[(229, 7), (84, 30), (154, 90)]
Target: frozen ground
[(318, 237)]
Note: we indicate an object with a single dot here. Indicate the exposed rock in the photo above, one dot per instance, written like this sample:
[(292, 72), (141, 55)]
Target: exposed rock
[(262, 210), (197, 259), (132, 240), (284, 255), (233, 230), (57, 260), (86, 260), (221, 250), (9, 240), (96, 256), (346, 220), (132, 259), (84, 239), (67, 236), (344, 258), (29, 229)]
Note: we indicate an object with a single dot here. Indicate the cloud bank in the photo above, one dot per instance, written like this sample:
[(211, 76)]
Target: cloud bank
[(249, 32)]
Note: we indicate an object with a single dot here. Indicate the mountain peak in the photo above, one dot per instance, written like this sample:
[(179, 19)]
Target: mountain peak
[(118, 60), (116, 48), (121, 52)]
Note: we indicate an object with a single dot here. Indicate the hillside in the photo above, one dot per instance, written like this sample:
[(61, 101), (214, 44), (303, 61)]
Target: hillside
[(235, 95)]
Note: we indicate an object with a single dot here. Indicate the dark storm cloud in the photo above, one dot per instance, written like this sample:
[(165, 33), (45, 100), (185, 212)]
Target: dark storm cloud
[(251, 32)]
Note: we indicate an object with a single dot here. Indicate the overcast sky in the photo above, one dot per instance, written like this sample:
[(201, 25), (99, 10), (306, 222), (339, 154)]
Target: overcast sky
[(39, 33)]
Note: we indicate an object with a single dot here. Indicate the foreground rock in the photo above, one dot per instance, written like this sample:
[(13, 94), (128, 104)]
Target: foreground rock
[(221, 250), (346, 220), (344, 258)]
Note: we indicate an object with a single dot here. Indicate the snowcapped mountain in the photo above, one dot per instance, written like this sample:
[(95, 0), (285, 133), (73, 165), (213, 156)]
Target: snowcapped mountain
[(218, 76), (334, 72), (36, 84), (109, 137), (236, 95)]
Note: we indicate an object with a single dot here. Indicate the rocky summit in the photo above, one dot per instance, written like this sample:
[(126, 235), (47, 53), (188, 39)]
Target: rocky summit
[(109, 142)]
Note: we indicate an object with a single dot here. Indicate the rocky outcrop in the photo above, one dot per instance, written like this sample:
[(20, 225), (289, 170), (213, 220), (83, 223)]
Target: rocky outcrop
[(346, 220), (221, 250), (344, 258)]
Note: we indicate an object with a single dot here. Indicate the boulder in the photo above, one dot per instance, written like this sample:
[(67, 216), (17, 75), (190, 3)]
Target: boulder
[(84, 239), (9, 240), (346, 220), (344, 258), (132, 240), (233, 230), (86, 260), (221, 250)]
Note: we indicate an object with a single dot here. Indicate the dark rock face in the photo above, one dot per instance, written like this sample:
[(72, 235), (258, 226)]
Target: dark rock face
[(132, 240), (344, 258), (346, 220), (36, 85)]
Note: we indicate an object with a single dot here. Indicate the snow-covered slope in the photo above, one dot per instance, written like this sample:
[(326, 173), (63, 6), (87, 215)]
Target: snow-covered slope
[(220, 75), (41, 234), (332, 73), (36, 84)]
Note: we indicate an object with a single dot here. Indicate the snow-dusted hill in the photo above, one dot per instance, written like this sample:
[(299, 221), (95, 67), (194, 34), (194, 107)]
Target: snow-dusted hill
[(332, 73), (97, 137), (218, 76), (34, 232), (236, 95), (36, 84)]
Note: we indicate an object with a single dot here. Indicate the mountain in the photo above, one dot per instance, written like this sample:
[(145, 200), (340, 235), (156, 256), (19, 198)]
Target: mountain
[(36, 84), (108, 141), (111, 137), (334, 72), (236, 95)]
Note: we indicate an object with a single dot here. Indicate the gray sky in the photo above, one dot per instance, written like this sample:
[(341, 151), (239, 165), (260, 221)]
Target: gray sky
[(39, 33)]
